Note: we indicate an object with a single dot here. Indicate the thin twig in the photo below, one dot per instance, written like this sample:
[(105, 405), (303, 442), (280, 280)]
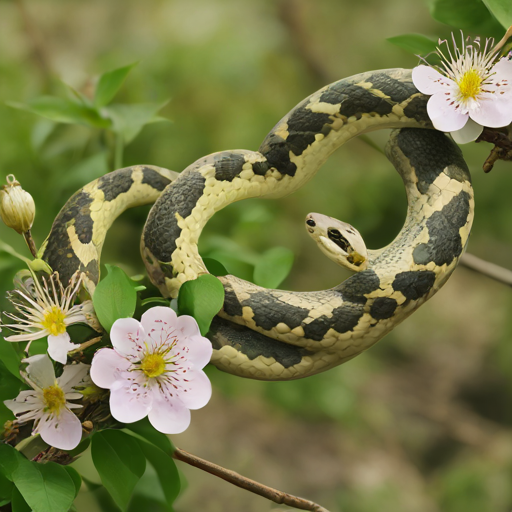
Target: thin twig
[(30, 242), (501, 274), (274, 495), (86, 344)]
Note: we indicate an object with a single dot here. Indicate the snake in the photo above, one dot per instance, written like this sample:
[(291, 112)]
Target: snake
[(277, 334)]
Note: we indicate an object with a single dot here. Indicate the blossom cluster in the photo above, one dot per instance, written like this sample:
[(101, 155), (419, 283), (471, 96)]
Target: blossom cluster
[(152, 368)]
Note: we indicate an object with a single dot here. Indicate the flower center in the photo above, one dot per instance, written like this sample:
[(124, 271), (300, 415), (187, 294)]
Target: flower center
[(153, 365), (470, 84), (54, 321), (54, 399)]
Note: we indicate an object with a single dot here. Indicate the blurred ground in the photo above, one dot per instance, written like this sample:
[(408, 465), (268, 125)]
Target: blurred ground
[(423, 421)]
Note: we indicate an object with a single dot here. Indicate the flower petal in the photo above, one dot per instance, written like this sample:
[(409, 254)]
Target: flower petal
[(160, 325), (40, 370), (107, 366), (429, 81), (187, 325), (73, 375), (27, 400), (169, 416), (468, 133), (444, 115), (127, 336), (59, 346), (195, 393), (196, 350), (129, 403), (493, 112), (64, 432)]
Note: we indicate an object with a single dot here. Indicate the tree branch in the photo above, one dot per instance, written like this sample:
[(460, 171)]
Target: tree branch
[(274, 495), (501, 274)]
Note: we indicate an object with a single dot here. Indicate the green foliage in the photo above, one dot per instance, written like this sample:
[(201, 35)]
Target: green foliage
[(145, 430), (120, 463), (201, 298), (470, 15), (273, 267), (124, 121), (166, 470), (10, 357), (109, 83), (115, 297), (502, 10), (44, 487), (215, 267), (414, 43)]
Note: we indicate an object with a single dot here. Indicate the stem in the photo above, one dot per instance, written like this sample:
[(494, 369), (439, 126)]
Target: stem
[(118, 151), (86, 344), (501, 274), (30, 242), (246, 483)]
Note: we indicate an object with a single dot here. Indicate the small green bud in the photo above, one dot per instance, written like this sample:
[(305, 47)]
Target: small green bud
[(17, 208)]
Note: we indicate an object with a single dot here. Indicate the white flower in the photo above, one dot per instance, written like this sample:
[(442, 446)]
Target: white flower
[(155, 369), (47, 310), (47, 403), (473, 89)]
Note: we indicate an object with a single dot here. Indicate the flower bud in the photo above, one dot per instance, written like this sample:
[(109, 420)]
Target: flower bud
[(17, 208)]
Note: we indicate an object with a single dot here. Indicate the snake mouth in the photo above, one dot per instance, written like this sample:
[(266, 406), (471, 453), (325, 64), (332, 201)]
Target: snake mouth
[(336, 237)]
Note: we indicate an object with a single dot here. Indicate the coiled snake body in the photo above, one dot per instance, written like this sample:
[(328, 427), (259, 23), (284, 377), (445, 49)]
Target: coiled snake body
[(275, 334)]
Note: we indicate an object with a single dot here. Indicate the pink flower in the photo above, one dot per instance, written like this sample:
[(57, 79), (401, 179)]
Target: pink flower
[(155, 369), (47, 402), (473, 89)]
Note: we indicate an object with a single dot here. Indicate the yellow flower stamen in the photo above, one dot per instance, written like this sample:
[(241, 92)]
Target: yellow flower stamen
[(153, 365), (470, 85), (54, 321), (54, 399)]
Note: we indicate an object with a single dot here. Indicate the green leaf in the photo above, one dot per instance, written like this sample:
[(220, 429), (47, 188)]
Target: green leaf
[(6, 487), (502, 10), (10, 357), (75, 476), (114, 297), (165, 468), (9, 460), (273, 267), (109, 83), (120, 463), (45, 487), (215, 267), (145, 430), (201, 298), (465, 14), (18, 504), (63, 110), (128, 120), (416, 44)]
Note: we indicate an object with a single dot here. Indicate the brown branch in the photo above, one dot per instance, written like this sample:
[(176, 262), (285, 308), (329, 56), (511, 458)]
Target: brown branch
[(501, 274), (502, 149), (274, 495)]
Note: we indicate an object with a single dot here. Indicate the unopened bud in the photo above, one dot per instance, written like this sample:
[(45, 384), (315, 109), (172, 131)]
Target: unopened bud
[(17, 208)]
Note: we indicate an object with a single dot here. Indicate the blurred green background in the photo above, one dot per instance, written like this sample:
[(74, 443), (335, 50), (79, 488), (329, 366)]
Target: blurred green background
[(423, 421)]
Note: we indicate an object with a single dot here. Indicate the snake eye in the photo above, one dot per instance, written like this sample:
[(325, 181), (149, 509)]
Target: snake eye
[(311, 222), (338, 239)]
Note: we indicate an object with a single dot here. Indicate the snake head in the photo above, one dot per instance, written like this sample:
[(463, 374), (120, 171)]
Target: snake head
[(338, 240)]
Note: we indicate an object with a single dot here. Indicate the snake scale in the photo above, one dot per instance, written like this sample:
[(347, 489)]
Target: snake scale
[(275, 334)]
